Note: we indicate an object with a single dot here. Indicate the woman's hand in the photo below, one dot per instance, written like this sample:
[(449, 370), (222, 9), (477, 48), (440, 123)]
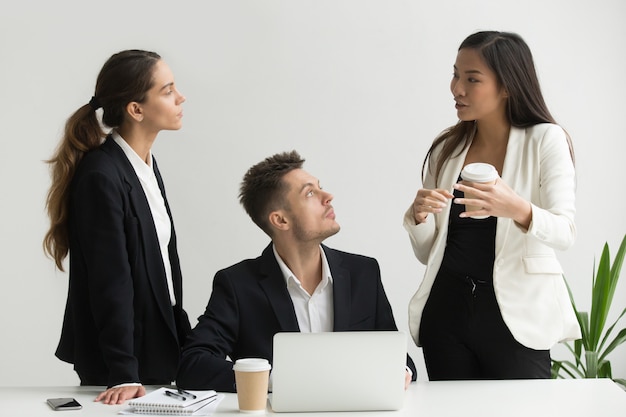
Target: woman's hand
[(407, 380), (497, 199), (429, 201), (117, 395)]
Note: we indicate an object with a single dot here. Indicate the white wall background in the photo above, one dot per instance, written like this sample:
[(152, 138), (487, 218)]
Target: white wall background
[(360, 88)]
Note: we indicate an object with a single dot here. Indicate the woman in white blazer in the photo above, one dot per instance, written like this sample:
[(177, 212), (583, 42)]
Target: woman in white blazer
[(493, 300)]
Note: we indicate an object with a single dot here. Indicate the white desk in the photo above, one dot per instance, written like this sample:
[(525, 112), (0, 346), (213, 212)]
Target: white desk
[(536, 398)]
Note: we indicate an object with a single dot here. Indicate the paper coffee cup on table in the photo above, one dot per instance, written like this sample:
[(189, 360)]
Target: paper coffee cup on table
[(251, 380), (478, 172)]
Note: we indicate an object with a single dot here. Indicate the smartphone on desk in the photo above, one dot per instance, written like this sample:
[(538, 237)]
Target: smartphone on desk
[(59, 404)]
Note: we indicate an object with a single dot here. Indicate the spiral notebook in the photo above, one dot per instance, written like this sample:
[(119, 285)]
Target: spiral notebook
[(171, 401)]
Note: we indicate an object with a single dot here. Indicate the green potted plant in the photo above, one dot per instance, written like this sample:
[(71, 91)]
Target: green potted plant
[(591, 351)]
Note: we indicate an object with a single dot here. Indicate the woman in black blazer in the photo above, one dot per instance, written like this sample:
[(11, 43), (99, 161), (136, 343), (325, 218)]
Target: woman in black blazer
[(124, 322)]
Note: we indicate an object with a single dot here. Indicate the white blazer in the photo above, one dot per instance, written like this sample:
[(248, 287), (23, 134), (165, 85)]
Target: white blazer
[(527, 276)]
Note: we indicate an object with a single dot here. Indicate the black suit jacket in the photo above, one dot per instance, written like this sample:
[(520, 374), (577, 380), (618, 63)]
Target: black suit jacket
[(119, 324), (250, 303)]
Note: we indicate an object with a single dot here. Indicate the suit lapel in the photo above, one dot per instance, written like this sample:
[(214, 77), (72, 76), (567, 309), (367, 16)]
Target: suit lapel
[(511, 169), (342, 300), (273, 284), (511, 173), (176, 278), (155, 271)]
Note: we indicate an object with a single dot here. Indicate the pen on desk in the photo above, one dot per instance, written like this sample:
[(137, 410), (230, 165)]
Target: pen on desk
[(182, 391), (175, 395)]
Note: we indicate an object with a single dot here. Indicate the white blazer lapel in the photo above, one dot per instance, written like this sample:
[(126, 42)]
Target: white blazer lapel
[(512, 173)]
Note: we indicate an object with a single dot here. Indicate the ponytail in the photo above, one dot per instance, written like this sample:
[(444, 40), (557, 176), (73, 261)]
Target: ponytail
[(82, 134)]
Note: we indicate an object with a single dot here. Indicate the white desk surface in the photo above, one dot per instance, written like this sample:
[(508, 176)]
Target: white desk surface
[(527, 398)]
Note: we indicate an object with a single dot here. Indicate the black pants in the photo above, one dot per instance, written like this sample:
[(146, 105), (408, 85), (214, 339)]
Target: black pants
[(464, 337)]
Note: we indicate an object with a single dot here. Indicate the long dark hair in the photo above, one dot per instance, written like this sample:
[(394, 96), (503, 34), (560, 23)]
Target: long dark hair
[(509, 57), (125, 77)]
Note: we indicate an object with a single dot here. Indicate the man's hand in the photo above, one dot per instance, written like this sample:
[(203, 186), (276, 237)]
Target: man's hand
[(120, 394)]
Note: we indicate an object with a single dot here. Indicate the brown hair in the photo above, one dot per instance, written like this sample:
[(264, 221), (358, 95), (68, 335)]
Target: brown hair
[(510, 58), (263, 190), (125, 77)]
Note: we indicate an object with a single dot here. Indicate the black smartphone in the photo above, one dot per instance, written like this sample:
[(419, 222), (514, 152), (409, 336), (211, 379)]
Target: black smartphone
[(59, 404)]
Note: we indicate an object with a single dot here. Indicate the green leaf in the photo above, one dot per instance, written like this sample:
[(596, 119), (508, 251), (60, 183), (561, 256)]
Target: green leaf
[(591, 359), (583, 321), (614, 274), (604, 290), (570, 369), (600, 301), (604, 369), (620, 381), (618, 261), (610, 330), (577, 351), (619, 339)]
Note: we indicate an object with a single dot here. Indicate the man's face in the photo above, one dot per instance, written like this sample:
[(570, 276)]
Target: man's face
[(310, 215)]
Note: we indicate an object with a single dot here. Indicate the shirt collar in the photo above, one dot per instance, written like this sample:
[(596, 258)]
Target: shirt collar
[(288, 275), (143, 170)]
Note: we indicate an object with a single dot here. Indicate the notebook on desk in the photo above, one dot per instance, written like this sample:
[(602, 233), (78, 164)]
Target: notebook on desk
[(341, 371)]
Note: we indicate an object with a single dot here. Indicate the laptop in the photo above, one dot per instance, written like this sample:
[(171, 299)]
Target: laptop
[(338, 371)]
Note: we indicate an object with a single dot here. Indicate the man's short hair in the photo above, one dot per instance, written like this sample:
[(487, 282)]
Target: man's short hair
[(263, 190)]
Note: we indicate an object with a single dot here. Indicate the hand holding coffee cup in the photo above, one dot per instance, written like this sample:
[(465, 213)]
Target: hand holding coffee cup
[(480, 173)]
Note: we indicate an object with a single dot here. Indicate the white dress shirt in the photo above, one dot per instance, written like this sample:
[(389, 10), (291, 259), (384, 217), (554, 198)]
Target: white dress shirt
[(313, 311), (162, 223)]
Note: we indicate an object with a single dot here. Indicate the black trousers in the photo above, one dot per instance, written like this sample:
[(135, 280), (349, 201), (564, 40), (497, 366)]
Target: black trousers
[(464, 336)]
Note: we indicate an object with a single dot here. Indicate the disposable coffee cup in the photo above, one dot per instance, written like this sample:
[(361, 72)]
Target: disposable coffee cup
[(251, 379), (478, 172)]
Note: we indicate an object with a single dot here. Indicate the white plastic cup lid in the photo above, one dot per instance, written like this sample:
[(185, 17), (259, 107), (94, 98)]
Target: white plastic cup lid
[(479, 172), (252, 365)]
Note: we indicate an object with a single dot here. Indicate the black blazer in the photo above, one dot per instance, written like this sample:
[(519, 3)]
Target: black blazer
[(250, 303), (119, 324)]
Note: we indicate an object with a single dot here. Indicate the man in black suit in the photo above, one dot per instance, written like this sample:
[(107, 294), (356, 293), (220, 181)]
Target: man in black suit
[(297, 284)]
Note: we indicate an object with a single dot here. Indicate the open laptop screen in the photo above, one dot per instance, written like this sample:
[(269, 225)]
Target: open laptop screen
[(338, 371)]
